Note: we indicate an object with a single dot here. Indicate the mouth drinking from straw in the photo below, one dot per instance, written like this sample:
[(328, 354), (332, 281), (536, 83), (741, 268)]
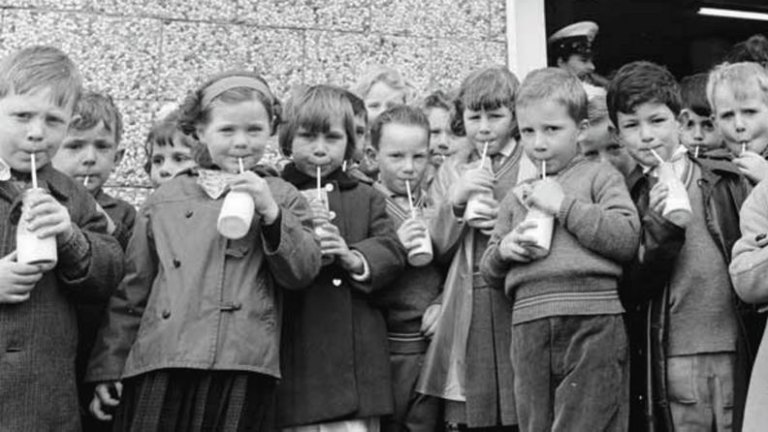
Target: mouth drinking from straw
[(656, 155)]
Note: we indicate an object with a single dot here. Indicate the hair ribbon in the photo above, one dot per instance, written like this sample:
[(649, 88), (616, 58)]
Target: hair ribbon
[(225, 84)]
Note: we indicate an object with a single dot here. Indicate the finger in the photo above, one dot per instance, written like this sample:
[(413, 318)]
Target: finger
[(526, 225), (97, 411), (119, 385), (22, 269), (102, 391), (16, 298)]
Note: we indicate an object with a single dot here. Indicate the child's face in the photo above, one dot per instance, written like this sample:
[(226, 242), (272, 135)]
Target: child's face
[(325, 150), (549, 134), (579, 64), (31, 123), (402, 156), (89, 155), (599, 144), (652, 126), (439, 135), (236, 131), (361, 136), (742, 119), (381, 97), (168, 160), (699, 131), (488, 126)]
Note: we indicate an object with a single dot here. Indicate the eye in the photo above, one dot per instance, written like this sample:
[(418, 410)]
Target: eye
[(255, 129), (374, 105), (157, 160), (335, 136), (551, 129), (305, 135), (727, 115), (54, 120), (629, 125), (23, 115), (526, 131), (591, 154), (226, 129), (180, 158)]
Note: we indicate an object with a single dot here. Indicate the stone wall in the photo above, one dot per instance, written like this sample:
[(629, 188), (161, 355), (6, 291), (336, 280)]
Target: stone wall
[(149, 52)]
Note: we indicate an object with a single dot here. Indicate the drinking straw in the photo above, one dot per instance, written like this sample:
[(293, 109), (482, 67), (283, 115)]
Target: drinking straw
[(485, 152), (410, 198), (34, 170), (656, 155), (696, 151), (319, 185), (543, 169), (743, 147), (240, 163), (85, 181)]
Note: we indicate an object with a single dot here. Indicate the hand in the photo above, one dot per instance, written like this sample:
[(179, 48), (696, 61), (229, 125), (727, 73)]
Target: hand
[(657, 197), (16, 279), (429, 320), (46, 217), (472, 181), (487, 213), (103, 403), (519, 246), (547, 195), (752, 165), (258, 188), (761, 240), (332, 243), (410, 233)]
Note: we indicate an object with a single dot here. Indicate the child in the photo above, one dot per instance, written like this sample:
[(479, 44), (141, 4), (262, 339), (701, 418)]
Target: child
[(89, 154), (599, 141), (749, 272), (738, 94), (168, 150), (566, 311), (437, 108), (382, 87), (193, 331), (467, 362), (689, 332), (39, 87), (334, 358), (699, 134), (400, 136), (363, 161)]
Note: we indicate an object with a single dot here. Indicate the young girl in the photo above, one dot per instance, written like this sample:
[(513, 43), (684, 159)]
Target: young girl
[(468, 362), (382, 87), (193, 331), (168, 150), (335, 361)]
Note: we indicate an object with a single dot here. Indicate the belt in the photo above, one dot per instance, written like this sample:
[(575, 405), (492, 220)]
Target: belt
[(407, 343)]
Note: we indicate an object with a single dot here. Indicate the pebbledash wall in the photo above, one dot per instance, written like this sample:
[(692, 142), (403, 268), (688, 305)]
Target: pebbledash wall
[(146, 53)]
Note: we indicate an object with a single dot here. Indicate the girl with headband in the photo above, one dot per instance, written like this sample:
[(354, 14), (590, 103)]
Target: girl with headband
[(191, 339)]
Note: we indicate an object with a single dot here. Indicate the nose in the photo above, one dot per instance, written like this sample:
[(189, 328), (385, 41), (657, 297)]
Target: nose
[(485, 124), (589, 65), (698, 133), (89, 155), (320, 148), (408, 166), (35, 130), (539, 142), (645, 133), (738, 123), (240, 140)]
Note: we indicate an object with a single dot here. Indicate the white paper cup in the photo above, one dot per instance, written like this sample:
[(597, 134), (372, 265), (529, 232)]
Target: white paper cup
[(320, 224), (542, 232), (236, 215), (29, 248), (473, 204), (677, 206), (422, 254)]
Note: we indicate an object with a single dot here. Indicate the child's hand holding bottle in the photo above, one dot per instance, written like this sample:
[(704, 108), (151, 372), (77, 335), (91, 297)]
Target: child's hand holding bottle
[(752, 165), (519, 245), (17, 279), (106, 397), (332, 243), (546, 195), (476, 180), (258, 188)]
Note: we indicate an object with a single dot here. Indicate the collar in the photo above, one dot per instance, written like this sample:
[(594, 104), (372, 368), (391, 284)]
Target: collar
[(418, 194), (104, 199), (506, 151), (292, 175)]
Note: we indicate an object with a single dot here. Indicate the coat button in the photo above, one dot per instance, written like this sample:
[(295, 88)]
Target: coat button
[(188, 214), (336, 282), (176, 263), (329, 187), (166, 314)]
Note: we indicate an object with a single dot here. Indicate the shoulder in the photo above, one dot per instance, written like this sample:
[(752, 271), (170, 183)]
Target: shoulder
[(281, 188), (180, 187), (592, 174), (719, 167)]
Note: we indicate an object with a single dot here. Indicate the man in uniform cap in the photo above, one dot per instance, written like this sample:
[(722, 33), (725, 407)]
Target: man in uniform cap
[(570, 48)]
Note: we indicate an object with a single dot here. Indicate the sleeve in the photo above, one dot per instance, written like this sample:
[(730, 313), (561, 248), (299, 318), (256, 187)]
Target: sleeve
[(382, 250), (609, 226), (91, 261), (447, 228), (295, 262), (749, 263), (493, 267), (126, 306)]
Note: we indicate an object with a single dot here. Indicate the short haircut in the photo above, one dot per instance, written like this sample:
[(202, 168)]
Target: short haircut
[(388, 76), (95, 108), (436, 99), (358, 105), (193, 113), (557, 85), (754, 49), (402, 115), (487, 89), (693, 90), (642, 82), (166, 133), (37, 67), (597, 110), (741, 78), (314, 109)]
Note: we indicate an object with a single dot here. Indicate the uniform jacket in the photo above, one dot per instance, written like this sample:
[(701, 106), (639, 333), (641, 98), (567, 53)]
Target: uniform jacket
[(192, 298), (645, 291), (122, 214), (38, 337), (335, 359)]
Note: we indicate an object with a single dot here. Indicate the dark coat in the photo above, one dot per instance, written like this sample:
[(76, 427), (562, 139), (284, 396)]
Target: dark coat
[(38, 337), (645, 293), (335, 361)]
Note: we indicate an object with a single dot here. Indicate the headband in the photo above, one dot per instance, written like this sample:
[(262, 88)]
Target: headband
[(216, 89)]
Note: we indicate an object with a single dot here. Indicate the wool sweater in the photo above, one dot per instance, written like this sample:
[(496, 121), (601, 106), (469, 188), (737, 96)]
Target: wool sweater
[(595, 230)]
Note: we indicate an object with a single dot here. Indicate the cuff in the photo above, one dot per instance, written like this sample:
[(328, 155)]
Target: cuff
[(75, 254), (272, 232), (366, 274)]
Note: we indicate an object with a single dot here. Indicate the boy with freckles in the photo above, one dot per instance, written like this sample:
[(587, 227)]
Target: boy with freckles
[(39, 87), (569, 348)]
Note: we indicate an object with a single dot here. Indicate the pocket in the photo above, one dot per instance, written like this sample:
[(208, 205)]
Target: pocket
[(681, 385)]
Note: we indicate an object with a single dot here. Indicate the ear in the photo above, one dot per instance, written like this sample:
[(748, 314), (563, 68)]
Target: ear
[(199, 132), (614, 134), (684, 116), (119, 156), (583, 127), (371, 153)]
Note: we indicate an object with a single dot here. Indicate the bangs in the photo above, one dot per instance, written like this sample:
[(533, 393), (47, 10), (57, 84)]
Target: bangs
[(489, 89), (318, 116)]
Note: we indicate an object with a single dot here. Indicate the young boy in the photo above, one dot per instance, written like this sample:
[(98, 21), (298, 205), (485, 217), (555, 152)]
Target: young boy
[(168, 150), (39, 87), (685, 327), (569, 348), (699, 133), (738, 94), (400, 137), (599, 141), (363, 164), (89, 154)]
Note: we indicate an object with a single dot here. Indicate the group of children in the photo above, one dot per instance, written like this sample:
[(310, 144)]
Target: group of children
[(595, 257)]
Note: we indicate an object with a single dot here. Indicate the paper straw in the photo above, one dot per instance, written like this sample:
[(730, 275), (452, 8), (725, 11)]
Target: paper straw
[(485, 152), (34, 170), (543, 169), (696, 151), (743, 147), (410, 198), (656, 155), (319, 185), (85, 181), (240, 164)]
